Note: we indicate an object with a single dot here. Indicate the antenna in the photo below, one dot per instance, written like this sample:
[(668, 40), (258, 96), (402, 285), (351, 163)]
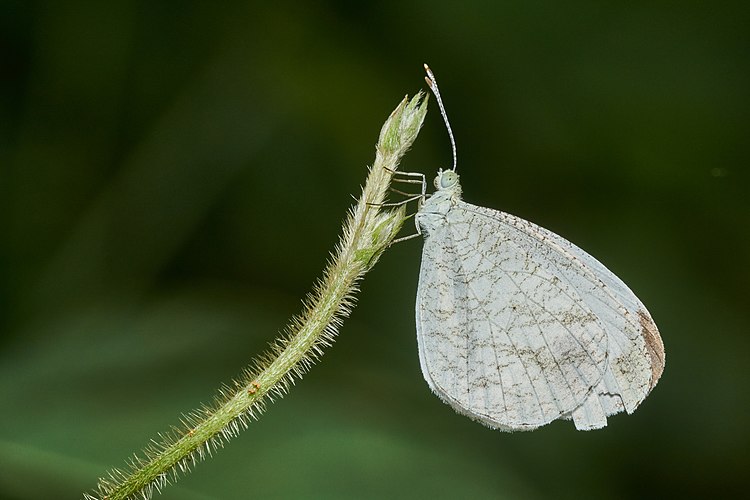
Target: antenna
[(432, 83)]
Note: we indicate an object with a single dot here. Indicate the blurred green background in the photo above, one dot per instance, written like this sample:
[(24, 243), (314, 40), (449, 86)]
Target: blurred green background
[(174, 174)]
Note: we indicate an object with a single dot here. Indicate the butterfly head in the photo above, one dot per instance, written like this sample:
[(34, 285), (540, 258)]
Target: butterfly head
[(447, 181)]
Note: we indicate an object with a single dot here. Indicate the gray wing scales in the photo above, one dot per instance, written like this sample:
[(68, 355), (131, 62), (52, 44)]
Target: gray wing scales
[(636, 353), (502, 337), (518, 327)]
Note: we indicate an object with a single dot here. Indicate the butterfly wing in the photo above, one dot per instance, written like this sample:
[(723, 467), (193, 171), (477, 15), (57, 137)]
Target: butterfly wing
[(516, 326), (636, 352)]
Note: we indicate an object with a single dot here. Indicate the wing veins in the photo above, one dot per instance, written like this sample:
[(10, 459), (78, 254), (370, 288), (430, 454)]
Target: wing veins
[(538, 234)]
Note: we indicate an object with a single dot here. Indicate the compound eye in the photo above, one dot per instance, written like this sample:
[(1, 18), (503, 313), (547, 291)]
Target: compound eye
[(447, 179)]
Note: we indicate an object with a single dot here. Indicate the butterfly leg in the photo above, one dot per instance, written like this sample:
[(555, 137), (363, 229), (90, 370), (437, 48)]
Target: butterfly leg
[(405, 178), (411, 178)]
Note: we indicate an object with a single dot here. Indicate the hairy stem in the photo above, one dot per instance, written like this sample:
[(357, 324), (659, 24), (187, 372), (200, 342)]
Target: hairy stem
[(367, 232)]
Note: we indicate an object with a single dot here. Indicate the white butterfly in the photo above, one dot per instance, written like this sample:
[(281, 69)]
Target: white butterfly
[(517, 326)]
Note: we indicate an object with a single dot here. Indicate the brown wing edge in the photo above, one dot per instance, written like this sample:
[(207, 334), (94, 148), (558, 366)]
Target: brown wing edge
[(654, 346)]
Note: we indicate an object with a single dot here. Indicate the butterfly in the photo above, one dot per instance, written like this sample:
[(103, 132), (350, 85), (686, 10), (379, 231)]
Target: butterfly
[(517, 326)]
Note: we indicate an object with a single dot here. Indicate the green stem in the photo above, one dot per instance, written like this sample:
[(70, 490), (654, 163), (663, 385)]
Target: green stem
[(369, 229)]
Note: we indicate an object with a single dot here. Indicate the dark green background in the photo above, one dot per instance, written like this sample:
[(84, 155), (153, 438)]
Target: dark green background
[(174, 174)]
